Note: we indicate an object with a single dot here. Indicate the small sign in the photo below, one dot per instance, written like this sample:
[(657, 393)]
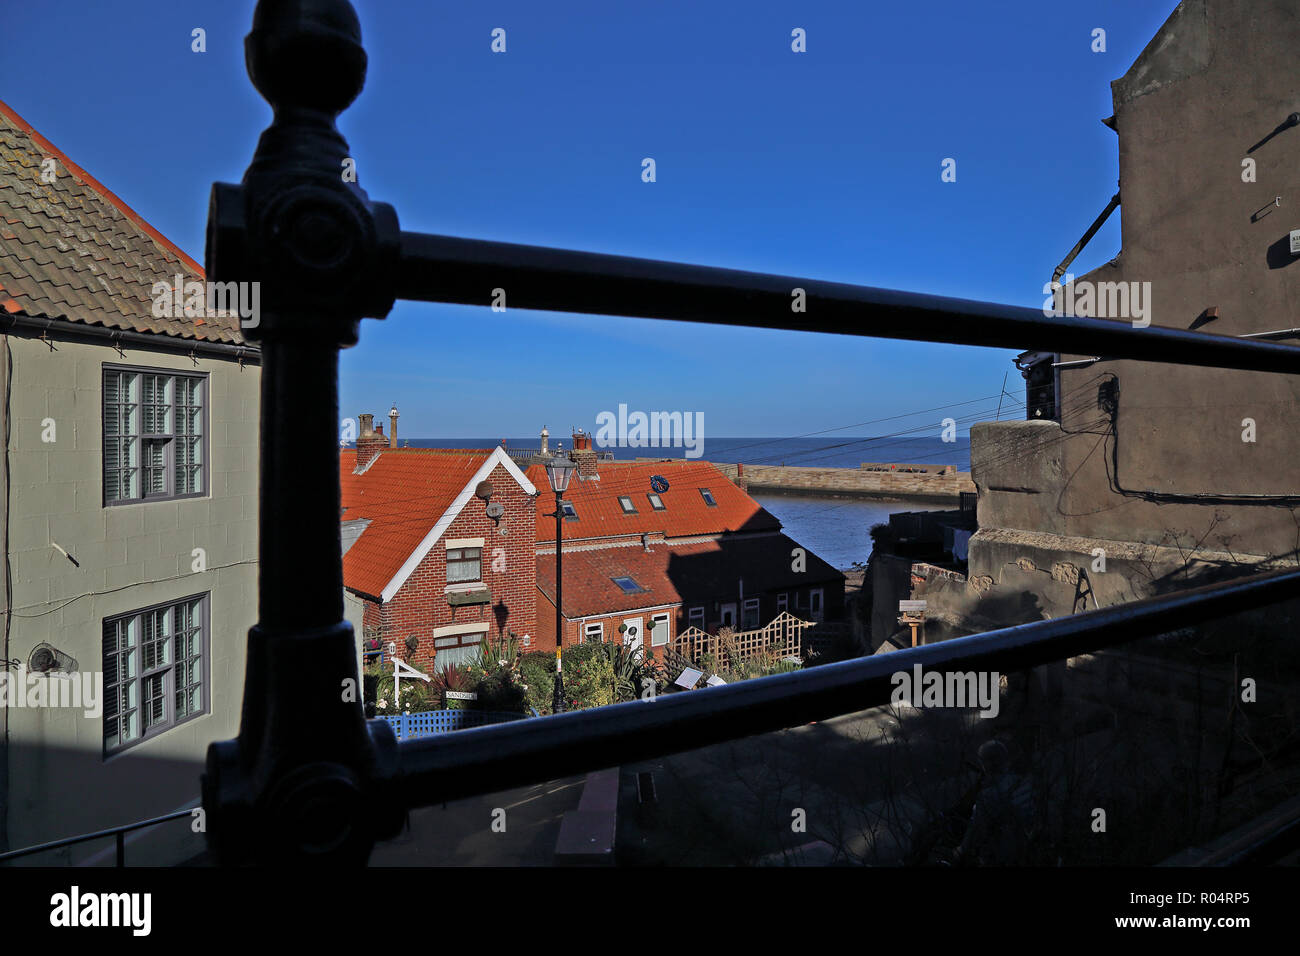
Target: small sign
[(1295, 242), (715, 681), (462, 695), (913, 607), (688, 678)]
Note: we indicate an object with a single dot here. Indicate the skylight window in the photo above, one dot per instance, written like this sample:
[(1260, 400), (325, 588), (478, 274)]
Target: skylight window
[(629, 585), (656, 502), (708, 497), (628, 507), (570, 513)]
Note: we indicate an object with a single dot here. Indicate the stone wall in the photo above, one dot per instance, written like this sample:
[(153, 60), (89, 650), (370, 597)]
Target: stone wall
[(928, 486)]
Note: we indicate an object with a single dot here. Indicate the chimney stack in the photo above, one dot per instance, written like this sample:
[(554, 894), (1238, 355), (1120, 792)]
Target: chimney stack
[(370, 441), (584, 455), (392, 432)]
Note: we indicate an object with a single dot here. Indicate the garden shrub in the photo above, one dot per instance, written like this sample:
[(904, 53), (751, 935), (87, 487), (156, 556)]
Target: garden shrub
[(537, 668)]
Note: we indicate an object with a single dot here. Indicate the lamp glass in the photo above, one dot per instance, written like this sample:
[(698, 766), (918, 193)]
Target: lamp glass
[(558, 472)]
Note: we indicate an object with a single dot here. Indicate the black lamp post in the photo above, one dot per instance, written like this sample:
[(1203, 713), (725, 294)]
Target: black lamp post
[(559, 470)]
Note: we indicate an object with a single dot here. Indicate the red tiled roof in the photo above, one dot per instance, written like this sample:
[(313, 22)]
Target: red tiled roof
[(686, 513), (678, 574), (403, 494), (72, 251)]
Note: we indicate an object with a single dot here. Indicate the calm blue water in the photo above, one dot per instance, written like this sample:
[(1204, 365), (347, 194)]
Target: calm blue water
[(835, 529), (824, 451)]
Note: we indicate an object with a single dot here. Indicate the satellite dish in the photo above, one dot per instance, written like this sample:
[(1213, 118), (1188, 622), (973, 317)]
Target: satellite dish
[(658, 484), (495, 510), (483, 490)]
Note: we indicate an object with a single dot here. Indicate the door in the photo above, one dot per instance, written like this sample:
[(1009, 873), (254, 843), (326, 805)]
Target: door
[(633, 637), (729, 615)]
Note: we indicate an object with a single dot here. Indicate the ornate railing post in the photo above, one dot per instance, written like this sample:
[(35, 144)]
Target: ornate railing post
[(307, 778)]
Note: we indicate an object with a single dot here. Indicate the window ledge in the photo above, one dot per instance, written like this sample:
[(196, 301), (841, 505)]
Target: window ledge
[(462, 598)]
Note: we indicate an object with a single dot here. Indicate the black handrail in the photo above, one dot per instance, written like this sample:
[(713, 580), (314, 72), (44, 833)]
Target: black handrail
[(448, 269), (505, 756), (119, 832), (308, 779)]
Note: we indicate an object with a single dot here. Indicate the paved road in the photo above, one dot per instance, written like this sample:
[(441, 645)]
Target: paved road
[(462, 834)]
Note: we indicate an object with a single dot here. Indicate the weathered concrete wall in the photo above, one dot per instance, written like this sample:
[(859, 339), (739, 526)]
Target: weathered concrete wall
[(1015, 577), (887, 583), (1215, 82), (130, 557)]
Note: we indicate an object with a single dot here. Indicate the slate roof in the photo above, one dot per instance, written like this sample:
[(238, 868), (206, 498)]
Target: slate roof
[(403, 494), (686, 513), (73, 251), (679, 574)]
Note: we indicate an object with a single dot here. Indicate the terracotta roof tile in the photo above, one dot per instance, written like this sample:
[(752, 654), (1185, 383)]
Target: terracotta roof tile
[(72, 251), (403, 494), (685, 510), (679, 574)]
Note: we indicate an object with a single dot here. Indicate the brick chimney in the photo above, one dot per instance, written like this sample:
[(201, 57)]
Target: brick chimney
[(583, 455), (370, 441)]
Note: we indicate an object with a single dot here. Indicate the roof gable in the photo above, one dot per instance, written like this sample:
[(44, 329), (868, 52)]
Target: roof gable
[(410, 496), (73, 251)]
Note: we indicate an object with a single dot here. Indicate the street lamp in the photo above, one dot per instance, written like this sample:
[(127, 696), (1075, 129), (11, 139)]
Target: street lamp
[(558, 471)]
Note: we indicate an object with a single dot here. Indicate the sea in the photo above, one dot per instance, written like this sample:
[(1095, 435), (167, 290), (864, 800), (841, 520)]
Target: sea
[(838, 530)]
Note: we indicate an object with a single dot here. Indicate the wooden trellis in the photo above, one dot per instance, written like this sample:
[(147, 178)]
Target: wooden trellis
[(782, 636)]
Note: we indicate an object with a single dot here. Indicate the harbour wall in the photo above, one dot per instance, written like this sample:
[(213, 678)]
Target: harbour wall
[(938, 483)]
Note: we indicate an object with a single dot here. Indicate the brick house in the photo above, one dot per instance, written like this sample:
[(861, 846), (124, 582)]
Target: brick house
[(424, 566), (700, 552)]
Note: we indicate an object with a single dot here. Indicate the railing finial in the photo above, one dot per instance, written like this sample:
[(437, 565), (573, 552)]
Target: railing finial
[(307, 54)]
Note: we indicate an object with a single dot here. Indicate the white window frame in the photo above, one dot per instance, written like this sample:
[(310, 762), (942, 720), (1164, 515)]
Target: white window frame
[(594, 627), (695, 617), (754, 605), (659, 624), (465, 560), (783, 602)]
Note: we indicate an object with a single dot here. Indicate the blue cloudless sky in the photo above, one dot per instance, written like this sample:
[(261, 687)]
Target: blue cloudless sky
[(823, 164)]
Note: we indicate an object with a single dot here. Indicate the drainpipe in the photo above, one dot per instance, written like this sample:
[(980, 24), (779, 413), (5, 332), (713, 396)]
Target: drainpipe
[(6, 373)]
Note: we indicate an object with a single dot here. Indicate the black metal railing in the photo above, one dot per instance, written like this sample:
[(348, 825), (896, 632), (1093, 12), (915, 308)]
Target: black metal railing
[(308, 778), (117, 833)]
